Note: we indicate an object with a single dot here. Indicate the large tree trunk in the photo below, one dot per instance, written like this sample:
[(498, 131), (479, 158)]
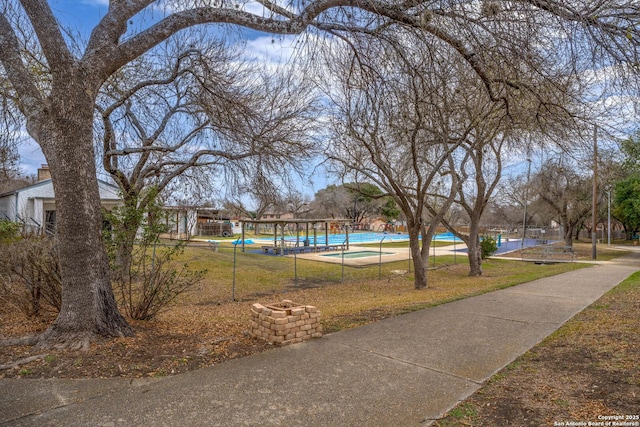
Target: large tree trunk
[(88, 307), (474, 250), (419, 263), (568, 235)]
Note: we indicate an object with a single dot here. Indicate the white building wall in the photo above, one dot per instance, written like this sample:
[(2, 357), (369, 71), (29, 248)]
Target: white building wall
[(192, 220), (8, 206), (36, 208), (25, 205), (28, 205)]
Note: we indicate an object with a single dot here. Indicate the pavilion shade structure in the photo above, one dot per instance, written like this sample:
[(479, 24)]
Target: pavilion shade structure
[(306, 229)]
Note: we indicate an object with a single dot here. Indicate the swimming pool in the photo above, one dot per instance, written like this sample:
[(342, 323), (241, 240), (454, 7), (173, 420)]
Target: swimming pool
[(355, 238), (446, 237), (339, 239)]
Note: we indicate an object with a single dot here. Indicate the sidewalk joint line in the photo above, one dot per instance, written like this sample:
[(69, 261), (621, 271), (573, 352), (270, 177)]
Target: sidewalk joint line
[(406, 362)]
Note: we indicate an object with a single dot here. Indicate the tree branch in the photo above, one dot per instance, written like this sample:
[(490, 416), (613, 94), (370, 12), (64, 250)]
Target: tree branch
[(294, 24), (113, 25), (29, 99), (47, 29)]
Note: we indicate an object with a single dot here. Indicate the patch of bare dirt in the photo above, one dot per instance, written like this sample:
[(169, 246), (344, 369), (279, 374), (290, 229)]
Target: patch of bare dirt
[(161, 347)]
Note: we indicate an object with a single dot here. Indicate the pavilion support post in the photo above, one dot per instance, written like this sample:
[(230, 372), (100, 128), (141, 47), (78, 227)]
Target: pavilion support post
[(315, 237), (307, 234), (346, 231), (326, 233), (275, 235), (242, 237)]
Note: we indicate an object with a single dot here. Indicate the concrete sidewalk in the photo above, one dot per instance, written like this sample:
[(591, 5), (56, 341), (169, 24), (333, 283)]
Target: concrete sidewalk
[(403, 371)]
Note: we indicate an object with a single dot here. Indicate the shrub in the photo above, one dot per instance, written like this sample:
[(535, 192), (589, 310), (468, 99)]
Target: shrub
[(30, 274), (155, 280), (146, 277), (8, 231), (488, 246)]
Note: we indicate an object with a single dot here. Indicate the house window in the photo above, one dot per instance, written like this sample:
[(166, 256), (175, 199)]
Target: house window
[(50, 222)]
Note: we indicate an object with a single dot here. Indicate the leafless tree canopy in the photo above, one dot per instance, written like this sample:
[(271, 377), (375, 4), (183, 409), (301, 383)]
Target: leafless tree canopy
[(565, 193), (206, 115), (432, 106), (396, 125)]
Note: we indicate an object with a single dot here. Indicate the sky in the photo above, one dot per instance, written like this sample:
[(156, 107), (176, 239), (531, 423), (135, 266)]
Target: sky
[(81, 17)]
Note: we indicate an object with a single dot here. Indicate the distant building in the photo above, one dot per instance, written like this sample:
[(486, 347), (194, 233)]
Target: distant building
[(184, 222), (34, 207), (277, 215)]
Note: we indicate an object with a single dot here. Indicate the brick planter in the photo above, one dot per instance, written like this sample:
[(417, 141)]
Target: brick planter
[(285, 322)]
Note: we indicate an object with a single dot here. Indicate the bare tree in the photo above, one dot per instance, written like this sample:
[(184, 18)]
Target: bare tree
[(481, 167), (204, 111), (523, 90), (399, 131), (330, 202), (9, 158), (566, 193), (258, 190), (507, 206), (366, 200), (354, 200), (10, 174), (58, 98), (297, 203), (480, 159)]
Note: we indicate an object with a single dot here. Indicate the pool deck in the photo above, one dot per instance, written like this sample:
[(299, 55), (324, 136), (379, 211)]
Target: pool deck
[(388, 255)]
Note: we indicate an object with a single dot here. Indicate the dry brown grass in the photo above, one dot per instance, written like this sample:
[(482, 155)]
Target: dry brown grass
[(205, 327), (589, 368)]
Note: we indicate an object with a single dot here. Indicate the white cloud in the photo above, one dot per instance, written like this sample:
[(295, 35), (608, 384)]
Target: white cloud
[(270, 49)]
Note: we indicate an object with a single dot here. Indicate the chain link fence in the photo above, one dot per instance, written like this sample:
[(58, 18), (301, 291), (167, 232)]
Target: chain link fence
[(237, 273)]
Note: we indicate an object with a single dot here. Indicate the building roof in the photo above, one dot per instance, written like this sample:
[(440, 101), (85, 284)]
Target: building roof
[(49, 181), (295, 221)]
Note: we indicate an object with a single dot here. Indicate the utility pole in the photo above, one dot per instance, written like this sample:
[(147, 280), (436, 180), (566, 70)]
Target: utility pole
[(609, 217), (595, 190), (526, 201)]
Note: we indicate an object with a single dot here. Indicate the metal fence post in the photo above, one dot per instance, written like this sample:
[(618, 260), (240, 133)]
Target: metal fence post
[(433, 244), (295, 268), (380, 259), (233, 287), (454, 250), (342, 274)]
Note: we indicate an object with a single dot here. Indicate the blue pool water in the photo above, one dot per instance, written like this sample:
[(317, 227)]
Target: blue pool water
[(359, 254), (339, 239), (239, 242), (446, 237)]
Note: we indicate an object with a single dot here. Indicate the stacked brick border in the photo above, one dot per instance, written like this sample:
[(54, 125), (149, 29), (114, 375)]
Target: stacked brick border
[(285, 323)]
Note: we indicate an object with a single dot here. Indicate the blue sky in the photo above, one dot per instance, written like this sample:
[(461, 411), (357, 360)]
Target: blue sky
[(81, 17)]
